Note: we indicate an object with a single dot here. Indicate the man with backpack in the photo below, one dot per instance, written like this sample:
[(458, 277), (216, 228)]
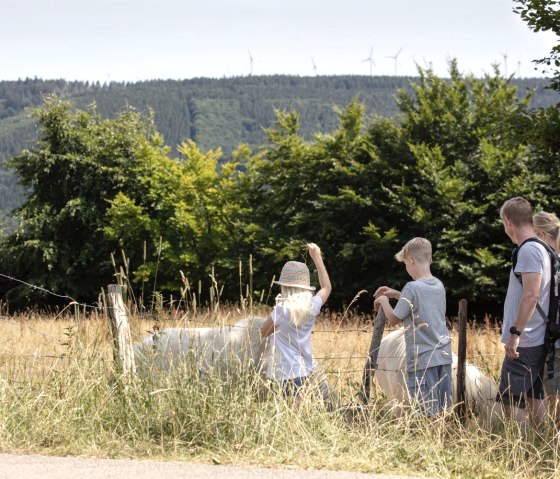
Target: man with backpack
[(524, 328)]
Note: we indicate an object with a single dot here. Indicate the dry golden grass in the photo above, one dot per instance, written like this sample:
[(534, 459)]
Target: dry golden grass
[(31, 341), (59, 394)]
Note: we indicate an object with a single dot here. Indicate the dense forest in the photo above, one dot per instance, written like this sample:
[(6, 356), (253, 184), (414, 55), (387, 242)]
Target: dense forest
[(202, 189), (109, 191), (214, 113)]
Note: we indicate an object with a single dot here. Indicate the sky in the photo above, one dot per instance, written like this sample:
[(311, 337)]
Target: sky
[(133, 40)]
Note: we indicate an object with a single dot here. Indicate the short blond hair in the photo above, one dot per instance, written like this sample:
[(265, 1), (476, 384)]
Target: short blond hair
[(517, 210), (419, 248)]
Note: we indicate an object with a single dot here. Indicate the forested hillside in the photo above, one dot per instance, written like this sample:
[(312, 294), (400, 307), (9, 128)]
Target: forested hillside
[(104, 186), (215, 113)]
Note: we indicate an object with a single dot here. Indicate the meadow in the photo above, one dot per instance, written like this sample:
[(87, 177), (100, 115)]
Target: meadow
[(60, 394)]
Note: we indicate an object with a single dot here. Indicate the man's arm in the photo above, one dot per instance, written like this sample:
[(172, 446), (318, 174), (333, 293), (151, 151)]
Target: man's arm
[(531, 283)]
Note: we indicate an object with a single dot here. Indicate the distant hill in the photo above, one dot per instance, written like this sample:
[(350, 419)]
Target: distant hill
[(213, 112)]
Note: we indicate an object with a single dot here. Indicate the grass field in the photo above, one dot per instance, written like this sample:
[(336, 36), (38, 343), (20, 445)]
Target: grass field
[(59, 394)]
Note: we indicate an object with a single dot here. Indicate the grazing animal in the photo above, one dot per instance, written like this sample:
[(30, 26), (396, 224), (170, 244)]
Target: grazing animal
[(224, 349), (480, 390), (229, 348)]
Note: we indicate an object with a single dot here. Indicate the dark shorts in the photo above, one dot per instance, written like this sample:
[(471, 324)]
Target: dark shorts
[(431, 388), (552, 381), (523, 377)]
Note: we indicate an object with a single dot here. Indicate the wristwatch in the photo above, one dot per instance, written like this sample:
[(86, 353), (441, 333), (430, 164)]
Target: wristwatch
[(514, 330)]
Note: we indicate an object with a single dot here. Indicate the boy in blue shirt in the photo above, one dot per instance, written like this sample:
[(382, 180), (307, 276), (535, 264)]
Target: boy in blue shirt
[(421, 307)]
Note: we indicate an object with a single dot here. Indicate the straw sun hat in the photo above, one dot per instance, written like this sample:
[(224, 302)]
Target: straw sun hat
[(295, 274)]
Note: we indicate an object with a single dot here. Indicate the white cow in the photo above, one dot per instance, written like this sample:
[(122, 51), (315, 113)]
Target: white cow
[(480, 390)]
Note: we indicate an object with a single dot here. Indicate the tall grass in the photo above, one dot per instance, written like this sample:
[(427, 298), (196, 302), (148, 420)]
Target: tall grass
[(59, 394)]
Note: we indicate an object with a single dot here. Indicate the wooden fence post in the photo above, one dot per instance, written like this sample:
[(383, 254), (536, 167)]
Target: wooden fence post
[(371, 362), (123, 353), (462, 361)]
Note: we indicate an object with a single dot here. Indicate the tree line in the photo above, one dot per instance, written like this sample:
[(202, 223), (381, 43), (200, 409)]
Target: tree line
[(457, 149), (215, 113), (110, 192)]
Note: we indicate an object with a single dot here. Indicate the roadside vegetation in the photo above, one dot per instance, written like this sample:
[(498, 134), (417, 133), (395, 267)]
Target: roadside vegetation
[(59, 394)]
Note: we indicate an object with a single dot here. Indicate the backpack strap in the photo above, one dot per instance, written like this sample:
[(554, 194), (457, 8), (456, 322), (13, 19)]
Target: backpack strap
[(550, 252)]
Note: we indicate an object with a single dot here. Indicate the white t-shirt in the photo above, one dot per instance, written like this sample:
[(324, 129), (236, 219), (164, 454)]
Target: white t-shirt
[(291, 346), (531, 258)]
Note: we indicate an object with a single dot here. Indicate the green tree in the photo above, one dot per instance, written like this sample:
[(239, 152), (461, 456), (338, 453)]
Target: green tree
[(79, 161), (100, 186), (543, 16), (465, 158), (361, 192), (192, 205), (541, 127), (324, 191)]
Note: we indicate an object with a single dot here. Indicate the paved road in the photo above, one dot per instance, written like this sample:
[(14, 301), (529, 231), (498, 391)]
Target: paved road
[(48, 467)]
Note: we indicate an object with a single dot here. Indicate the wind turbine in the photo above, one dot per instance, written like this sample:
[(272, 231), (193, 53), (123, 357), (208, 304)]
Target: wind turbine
[(505, 63), (519, 69), (250, 63), (371, 62), (314, 66), (394, 57)]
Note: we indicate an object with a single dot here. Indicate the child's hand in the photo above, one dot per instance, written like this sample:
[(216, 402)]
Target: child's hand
[(378, 301), (386, 291), (314, 251)]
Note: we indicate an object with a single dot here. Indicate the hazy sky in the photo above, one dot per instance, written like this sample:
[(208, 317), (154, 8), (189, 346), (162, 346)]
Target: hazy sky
[(146, 39)]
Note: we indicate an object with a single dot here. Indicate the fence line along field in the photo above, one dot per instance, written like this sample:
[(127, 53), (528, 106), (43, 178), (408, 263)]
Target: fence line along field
[(60, 393)]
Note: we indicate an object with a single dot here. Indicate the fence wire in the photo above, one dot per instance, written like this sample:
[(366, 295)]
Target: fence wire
[(367, 329)]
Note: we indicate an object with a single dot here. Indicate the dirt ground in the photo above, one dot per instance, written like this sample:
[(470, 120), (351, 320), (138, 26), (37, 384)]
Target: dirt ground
[(49, 467)]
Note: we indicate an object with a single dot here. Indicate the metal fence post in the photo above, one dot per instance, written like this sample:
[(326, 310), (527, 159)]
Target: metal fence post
[(462, 361)]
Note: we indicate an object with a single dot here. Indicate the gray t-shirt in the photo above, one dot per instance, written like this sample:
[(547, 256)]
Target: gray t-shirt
[(422, 309), (531, 258)]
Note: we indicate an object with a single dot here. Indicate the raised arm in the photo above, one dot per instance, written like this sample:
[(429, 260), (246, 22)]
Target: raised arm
[(324, 280)]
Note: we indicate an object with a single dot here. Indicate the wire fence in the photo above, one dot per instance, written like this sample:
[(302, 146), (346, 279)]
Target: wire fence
[(351, 327)]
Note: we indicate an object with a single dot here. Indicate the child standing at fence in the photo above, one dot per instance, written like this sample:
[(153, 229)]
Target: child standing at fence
[(421, 307), (292, 319)]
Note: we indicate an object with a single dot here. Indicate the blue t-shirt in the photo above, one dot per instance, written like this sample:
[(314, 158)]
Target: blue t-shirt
[(421, 307)]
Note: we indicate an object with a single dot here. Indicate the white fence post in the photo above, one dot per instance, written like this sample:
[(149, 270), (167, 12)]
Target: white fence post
[(123, 353)]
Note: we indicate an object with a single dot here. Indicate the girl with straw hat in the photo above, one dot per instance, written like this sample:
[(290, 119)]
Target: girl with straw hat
[(292, 319)]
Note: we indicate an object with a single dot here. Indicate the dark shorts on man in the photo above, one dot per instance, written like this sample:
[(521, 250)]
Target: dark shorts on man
[(552, 379), (522, 378)]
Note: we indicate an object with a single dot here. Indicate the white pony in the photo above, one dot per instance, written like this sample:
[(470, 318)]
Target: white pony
[(480, 390), (225, 349), (229, 348)]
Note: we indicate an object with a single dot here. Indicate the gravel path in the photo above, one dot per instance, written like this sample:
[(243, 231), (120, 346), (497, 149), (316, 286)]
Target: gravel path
[(49, 467)]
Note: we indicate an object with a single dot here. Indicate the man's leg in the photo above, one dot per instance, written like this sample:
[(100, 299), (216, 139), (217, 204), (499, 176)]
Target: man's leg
[(536, 409), (517, 413)]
